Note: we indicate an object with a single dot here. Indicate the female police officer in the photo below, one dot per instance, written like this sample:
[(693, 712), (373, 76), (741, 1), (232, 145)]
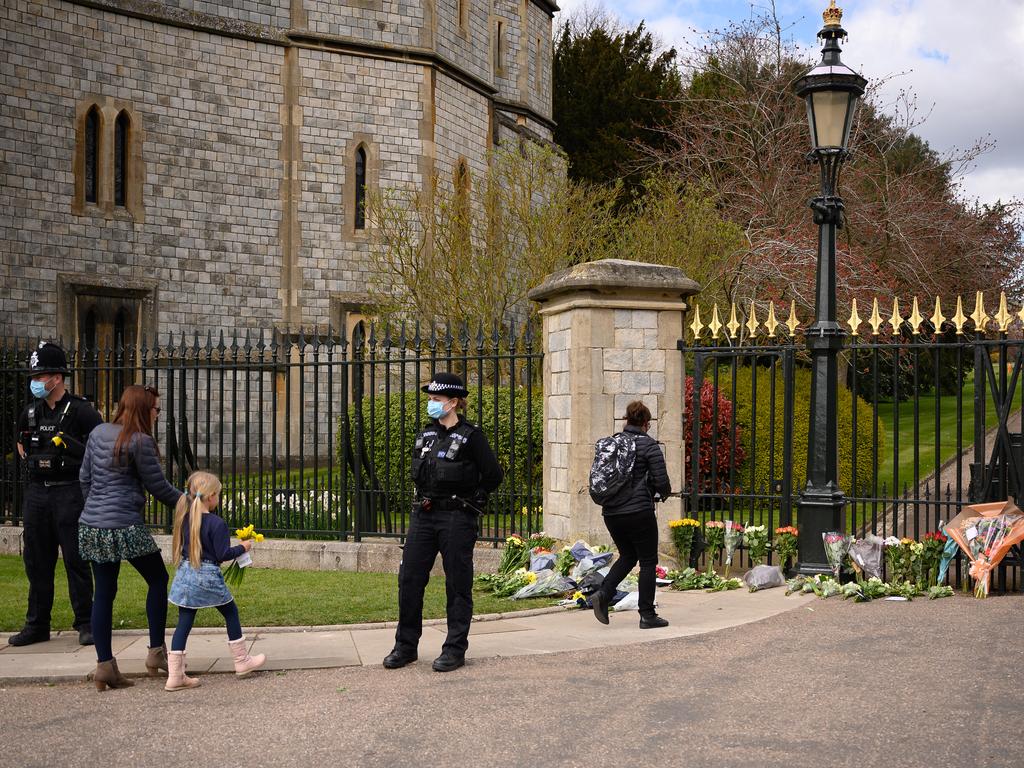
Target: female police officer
[(453, 469)]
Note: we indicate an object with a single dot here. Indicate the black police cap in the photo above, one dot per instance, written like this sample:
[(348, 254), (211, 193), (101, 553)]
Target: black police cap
[(47, 358), (447, 384)]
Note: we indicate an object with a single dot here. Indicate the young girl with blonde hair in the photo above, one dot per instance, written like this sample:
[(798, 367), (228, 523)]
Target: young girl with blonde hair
[(201, 543)]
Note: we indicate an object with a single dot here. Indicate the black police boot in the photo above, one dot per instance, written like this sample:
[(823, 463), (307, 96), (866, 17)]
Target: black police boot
[(85, 634), (600, 604), (28, 637), (398, 659), (652, 621), (447, 662)]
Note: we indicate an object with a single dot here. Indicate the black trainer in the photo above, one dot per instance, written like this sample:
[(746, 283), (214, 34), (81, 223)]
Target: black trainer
[(28, 637), (652, 621), (85, 635), (446, 662), (600, 604), (397, 659)]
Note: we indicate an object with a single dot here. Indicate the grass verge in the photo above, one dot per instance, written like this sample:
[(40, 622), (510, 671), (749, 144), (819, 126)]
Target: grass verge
[(266, 598)]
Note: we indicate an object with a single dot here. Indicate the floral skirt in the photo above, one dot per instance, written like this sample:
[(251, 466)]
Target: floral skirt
[(111, 545), (199, 588)]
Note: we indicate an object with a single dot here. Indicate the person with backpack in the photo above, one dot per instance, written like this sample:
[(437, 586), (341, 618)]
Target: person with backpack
[(627, 476)]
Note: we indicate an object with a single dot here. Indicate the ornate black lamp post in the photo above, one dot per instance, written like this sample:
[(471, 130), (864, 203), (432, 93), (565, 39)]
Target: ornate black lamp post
[(831, 90)]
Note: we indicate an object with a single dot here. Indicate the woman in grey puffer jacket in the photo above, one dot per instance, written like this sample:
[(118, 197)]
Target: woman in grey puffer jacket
[(121, 463)]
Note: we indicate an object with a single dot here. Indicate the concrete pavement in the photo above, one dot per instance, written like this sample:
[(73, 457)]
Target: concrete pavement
[(525, 633), (831, 683)]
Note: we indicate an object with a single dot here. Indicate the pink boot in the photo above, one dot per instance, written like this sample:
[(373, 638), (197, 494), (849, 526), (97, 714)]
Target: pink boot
[(177, 680), (244, 663)]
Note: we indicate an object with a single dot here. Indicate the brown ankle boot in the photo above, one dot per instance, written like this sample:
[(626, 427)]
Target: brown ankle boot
[(107, 675), (176, 678), (156, 660)]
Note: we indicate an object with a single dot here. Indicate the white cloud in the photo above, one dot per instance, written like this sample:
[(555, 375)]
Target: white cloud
[(963, 64), (961, 58)]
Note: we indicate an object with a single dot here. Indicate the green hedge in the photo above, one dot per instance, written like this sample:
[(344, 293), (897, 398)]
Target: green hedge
[(390, 444), (754, 474)]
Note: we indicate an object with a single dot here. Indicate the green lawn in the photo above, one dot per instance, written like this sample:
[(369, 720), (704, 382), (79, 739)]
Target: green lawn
[(266, 598), (926, 442)]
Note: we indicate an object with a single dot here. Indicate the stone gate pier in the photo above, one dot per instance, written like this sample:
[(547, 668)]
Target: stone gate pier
[(611, 330)]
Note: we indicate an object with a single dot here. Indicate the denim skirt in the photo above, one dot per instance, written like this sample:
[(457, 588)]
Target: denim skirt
[(199, 588)]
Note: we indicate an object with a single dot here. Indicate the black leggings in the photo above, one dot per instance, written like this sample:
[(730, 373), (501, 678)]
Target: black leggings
[(187, 616), (636, 537), (105, 575)]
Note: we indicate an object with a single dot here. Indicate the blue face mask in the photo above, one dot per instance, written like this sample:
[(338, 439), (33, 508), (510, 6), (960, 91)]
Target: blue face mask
[(435, 409), (39, 389)]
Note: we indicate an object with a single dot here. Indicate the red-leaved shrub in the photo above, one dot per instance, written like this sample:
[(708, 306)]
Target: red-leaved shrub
[(715, 441)]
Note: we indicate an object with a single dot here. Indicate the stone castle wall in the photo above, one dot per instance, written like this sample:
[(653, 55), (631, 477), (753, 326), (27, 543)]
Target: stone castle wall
[(246, 114)]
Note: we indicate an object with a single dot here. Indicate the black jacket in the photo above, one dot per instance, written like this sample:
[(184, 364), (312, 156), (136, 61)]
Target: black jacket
[(471, 471), (650, 476)]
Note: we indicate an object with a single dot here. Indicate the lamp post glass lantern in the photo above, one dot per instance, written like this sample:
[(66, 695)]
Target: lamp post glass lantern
[(831, 91)]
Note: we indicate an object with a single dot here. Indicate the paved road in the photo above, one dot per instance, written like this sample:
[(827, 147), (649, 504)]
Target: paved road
[(827, 684)]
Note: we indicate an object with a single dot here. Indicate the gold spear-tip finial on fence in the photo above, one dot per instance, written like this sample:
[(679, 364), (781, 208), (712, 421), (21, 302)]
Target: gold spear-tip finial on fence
[(771, 323), (875, 321), (915, 319), (733, 325), (980, 316), (1020, 315), (833, 15), (959, 318), (792, 323), (1003, 316), (937, 317), (696, 326), (752, 323), (716, 324), (895, 320), (854, 321)]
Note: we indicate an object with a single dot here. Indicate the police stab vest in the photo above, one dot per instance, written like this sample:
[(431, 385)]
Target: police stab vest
[(44, 458), (438, 464)]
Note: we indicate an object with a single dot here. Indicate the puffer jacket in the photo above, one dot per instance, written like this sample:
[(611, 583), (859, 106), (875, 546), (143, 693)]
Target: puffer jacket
[(650, 476), (115, 493)]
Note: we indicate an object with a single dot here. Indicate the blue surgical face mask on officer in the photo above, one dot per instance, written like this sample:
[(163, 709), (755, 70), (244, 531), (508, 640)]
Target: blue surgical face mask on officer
[(39, 389), (435, 409)]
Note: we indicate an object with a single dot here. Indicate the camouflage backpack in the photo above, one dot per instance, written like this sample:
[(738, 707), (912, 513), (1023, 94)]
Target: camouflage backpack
[(612, 469)]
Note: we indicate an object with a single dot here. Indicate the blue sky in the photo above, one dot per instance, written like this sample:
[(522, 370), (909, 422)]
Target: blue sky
[(946, 52)]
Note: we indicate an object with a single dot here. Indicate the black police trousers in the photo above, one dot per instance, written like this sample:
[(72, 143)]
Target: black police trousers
[(50, 517), (453, 534)]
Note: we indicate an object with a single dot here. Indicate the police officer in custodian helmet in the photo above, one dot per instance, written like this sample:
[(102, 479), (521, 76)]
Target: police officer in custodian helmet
[(453, 469), (52, 432)]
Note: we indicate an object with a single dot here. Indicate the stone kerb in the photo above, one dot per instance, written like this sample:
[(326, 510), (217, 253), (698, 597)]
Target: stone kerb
[(611, 330), (300, 555)]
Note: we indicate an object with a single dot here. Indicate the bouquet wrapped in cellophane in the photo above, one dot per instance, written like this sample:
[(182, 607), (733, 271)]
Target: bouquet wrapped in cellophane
[(236, 571), (837, 545), (986, 532), (731, 540)]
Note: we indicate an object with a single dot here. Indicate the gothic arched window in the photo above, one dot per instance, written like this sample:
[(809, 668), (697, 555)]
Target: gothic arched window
[(92, 151), (360, 218), (122, 128)]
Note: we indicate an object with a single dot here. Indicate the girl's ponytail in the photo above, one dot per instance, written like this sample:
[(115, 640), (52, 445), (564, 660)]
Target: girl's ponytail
[(180, 510), (190, 506)]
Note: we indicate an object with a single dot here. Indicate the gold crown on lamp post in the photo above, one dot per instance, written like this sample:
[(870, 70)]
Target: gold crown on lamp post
[(833, 15)]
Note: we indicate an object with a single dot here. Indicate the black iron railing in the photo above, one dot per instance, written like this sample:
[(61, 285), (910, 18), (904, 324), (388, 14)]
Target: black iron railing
[(928, 422), (311, 433)]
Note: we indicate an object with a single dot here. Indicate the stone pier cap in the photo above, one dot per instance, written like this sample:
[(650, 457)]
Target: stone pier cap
[(619, 278)]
